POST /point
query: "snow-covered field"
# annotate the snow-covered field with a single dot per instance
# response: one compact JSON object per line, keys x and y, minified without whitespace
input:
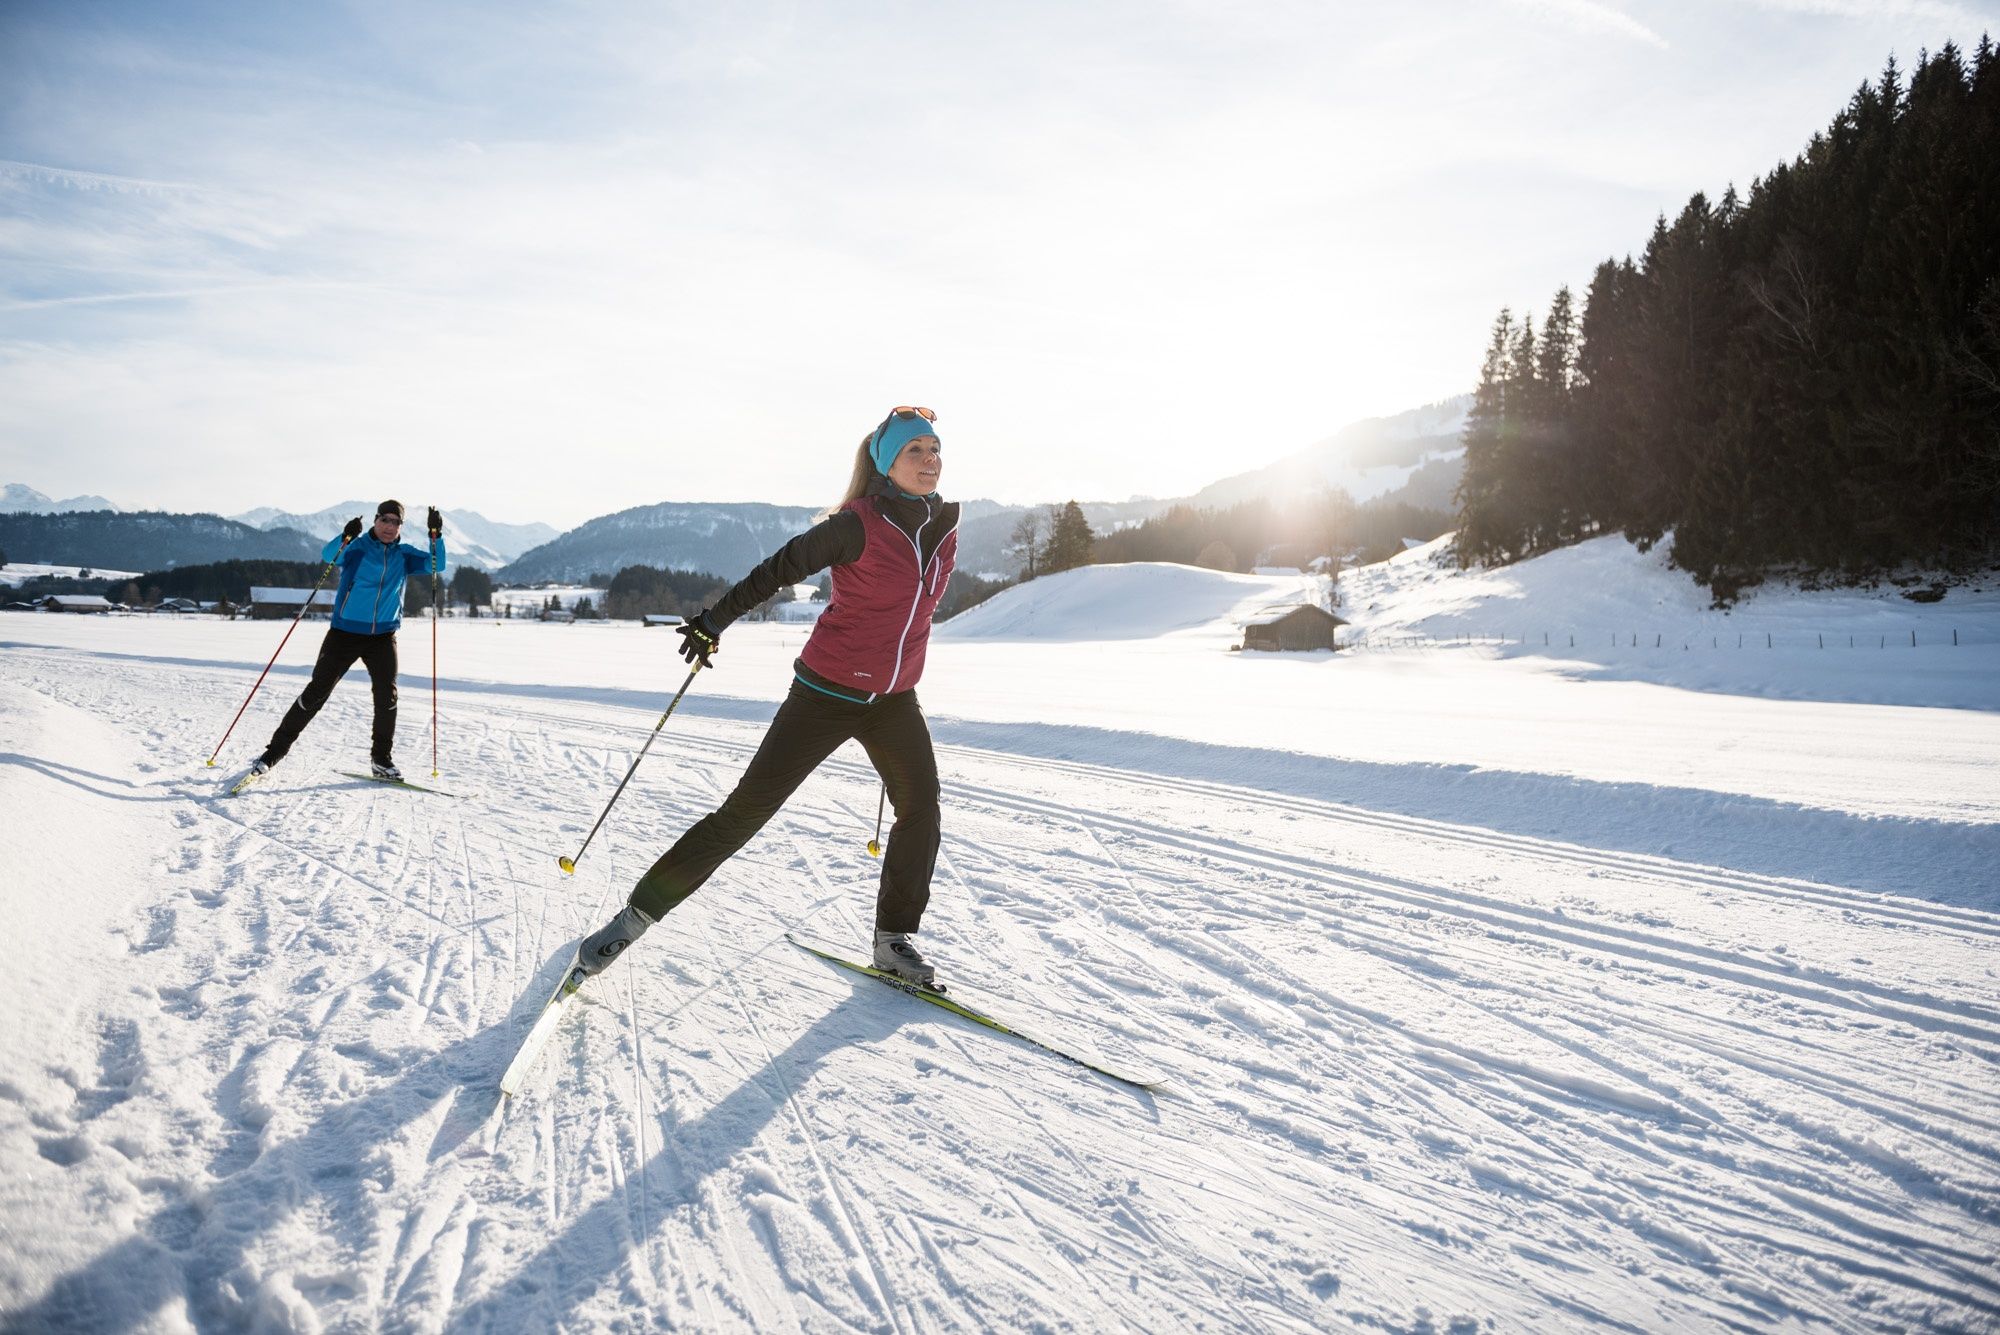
{"x":19,"y":572}
{"x":1502,"y":988}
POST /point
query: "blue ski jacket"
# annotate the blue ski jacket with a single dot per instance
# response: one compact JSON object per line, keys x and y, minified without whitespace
{"x":369,"y":600}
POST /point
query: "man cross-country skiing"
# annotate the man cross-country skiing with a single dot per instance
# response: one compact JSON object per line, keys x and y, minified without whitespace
{"x":891,"y":543}
{"x":367,"y":609}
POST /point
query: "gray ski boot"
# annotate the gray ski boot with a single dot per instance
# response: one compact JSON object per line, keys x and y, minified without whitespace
{"x":596,"y":951}
{"x":895,"y":953}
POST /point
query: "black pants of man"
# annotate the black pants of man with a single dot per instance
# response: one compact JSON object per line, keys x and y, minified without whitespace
{"x":336,"y":655}
{"x":808,"y":728}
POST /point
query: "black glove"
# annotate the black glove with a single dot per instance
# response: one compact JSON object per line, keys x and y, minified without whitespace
{"x":697,"y":640}
{"x":352,"y":531}
{"x":434,"y":522}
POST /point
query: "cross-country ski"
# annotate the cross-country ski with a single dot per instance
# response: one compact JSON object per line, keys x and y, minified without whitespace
{"x":396,"y":783}
{"x":981,"y":1013}
{"x":546,"y":1020}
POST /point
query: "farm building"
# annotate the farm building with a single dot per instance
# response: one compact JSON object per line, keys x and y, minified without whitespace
{"x":76,"y":602}
{"x":1297,"y":628}
{"x":267,"y":603}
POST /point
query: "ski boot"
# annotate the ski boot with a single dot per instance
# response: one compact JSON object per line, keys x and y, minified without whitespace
{"x":596,"y":951}
{"x":384,"y":771}
{"x":896,"y":954}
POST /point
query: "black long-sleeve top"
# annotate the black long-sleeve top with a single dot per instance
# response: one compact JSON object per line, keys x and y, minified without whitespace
{"x":837,"y":540}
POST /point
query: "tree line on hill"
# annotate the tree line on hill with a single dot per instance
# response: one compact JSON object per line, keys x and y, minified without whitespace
{"x":137,"y":540}
{"x":1806,"y":376}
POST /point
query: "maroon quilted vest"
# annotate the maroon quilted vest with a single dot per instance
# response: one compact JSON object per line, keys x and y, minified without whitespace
{"x":877,"y":624}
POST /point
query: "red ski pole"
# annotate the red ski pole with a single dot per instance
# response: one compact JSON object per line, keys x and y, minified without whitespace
{"x":434,"y":656}
{"x":279,"y":650}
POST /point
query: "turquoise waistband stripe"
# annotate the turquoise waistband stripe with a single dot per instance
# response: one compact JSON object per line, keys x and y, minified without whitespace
{"x":851,"y":699}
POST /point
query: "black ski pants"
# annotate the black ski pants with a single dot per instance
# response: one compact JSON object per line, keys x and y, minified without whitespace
{"x":809,"y":726}
{"x":337,"y":654}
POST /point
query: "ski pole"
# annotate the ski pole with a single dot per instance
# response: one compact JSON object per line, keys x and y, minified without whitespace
{"x":434,"y":656}
{"x":875,"y":844}
{"x":569,"y":864}
{"x":279,"y":650}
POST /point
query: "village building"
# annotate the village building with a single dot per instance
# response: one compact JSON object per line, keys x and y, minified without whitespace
{"x":76,"y":602}
{"x":268,"y":603}
{"x":1303,"y":627}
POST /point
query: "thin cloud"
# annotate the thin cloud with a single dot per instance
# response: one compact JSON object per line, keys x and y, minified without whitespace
{"x":176,"y":294}
{"x":1956,"y":17}
{"x":83,"y":180}
{"x":1593,"y":16}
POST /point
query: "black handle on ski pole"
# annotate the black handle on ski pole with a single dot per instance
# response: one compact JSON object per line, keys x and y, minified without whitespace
{"x":274,"y":653}
{"x":569,"y":864}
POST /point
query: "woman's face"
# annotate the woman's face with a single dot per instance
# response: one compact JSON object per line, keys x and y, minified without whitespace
{"x":388,"y":529}
{"x":917,"y":469}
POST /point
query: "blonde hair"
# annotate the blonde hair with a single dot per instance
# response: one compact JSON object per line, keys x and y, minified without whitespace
{"x":858,"y":483}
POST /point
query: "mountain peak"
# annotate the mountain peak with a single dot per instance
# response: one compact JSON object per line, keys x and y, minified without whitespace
{"x":18,"y":498}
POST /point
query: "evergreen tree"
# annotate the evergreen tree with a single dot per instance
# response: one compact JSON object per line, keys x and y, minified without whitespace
{"x":1805,"y":374}
{"x":473,"y":587}
{"x":1480,"y":528}
{"x":1070,"y":540}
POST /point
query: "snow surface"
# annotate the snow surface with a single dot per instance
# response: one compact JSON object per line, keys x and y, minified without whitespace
{"x":20,"y":572}
{"x":1502,"y":990}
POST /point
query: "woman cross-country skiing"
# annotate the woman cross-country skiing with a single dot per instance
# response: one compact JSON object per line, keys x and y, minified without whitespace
{"x":367,"y":609}
{"x":891,"y":543}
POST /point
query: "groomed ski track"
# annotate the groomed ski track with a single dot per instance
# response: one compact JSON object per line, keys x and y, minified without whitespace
{"x":1427,"y":1076}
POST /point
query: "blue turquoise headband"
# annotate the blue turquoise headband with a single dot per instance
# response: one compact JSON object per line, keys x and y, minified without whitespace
{"x":890,"y":438}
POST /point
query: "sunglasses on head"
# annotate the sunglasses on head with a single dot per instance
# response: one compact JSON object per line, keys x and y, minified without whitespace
{"x":906,"y":412}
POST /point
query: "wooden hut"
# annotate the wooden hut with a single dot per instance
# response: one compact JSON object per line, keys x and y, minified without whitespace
{"x":1296,"y":628}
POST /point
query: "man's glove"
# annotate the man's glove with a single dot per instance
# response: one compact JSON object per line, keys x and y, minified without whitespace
{"x":697,"y":640}
{"x":434,"y":522}
{"x":352,"y":531}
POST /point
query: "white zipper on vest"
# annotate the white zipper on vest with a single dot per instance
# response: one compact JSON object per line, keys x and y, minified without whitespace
{"x":918,"y":552}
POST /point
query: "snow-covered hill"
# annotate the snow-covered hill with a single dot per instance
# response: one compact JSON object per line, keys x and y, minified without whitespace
{"x":1499,"y":991}
{"x":1605,"y":610}
{"x":1141,"y":601}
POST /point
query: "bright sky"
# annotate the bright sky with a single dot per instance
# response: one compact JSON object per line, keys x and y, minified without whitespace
{"x":550,"y":260}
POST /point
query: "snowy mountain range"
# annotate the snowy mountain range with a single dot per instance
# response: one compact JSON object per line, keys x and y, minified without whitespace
{"x":720,"y":538}
{"x":1412,"y":457}
{"x":143,"y":540}
{"x":471,"y":537}
{"x":16,"y":498}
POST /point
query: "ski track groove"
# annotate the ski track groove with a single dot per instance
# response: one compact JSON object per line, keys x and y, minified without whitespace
{"x":1938,"y":916}
{"x":857,"y":1241}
